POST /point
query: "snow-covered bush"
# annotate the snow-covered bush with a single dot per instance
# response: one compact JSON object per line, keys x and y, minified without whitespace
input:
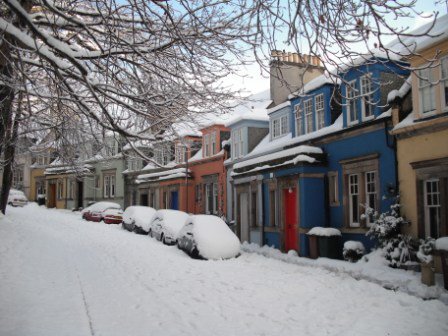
{"x":426,"y":250}
{"x":399,"y":249}
{"x":353,"y":250}
{"x":386,"y":225}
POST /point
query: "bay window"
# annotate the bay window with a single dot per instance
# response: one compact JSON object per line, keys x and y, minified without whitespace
{"x":320,"y":111}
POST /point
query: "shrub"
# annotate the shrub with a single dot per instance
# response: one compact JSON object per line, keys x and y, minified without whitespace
{"x":353,"y":251}
{"x":426,"y":249}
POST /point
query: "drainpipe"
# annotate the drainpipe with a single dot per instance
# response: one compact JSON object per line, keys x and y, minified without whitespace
{"x":393,"y":145}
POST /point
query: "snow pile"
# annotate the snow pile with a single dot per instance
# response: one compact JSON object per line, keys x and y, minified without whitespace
{"x":324,"y":232}
{"x":141,"y":216}
{"x":325,"y":78}
{"x":373,"y":268}
{"x":403,"y":91}
{"x":354,"y":245}
{"x":442,"y":244}
{"x":214,"y":238}
{"x":173,"y":221}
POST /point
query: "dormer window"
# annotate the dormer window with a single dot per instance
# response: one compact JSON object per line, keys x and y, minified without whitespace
{"x":299,"y":119}
{"x":320,"y":111}
{"x":180,"y":152}
{"x":279,"y":126}
{"x":308,"y":109}
{"x":213,"y":143}
{"x":367,"y":97}
{"x":426,"y":89}
{"x":352,"y":112}
{"x":161,"y":156}
{"x":207,"y":145}
{"x":237,"y":143}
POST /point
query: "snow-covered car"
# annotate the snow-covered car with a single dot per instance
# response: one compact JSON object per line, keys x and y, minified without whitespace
{"x":166,"y":225}
{"x":138,"y":218}
{"x":113,"y":216}
{"x":17,"y":198}
{"x":208,"y":237}
{"x":95,"y":212}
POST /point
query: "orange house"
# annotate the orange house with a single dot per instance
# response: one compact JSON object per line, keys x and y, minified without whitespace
{"x":197,"y":184}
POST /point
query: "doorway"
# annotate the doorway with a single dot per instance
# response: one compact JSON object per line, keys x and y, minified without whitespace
{"x":291,"y":218}
{"x":175,"y":200}
{"x":79,"y":196}
{"x":244,"y":217}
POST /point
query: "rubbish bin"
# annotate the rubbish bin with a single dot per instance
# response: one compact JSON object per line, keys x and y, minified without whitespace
{"x":313,"y":247}
{"x":325,"y":242}
{"x":330,"y":247}
{"x":41,"y":200}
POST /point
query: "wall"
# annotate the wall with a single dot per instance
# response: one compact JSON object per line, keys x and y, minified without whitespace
{"x":430,"y":145}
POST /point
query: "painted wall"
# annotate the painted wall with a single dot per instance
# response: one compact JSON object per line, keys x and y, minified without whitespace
{"x":431,"y":145}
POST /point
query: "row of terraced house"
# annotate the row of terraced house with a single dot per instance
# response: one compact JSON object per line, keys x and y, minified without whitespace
{"x":313,"y":156}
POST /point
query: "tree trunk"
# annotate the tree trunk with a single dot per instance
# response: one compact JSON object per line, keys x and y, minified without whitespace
{"x":6,"y":99}
{"x":9,"y":154}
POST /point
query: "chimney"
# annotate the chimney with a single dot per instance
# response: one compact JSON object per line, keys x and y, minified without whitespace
{"x":289,"y":72}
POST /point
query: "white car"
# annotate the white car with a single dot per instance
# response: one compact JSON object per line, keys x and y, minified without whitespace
{"x":17,"y":198}
{"x":138,"y":218}
{"x":166,"y":225}
{"x":208,"y":237}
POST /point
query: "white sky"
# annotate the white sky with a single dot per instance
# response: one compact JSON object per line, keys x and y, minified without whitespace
{"x":255,"y":79}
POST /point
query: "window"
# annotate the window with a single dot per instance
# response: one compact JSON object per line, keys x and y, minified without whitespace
{"x":426,"y":88}
{"x":237,"y":141}
{"x":367,"y":97}
{"x":207,"y":145}
{"x":371,"y":194}
{"x":299,"y":119}
{"x":198,"y":193}
{"x":444,"y":82}
{"x":215,"y":198}
{"x":333,"y":188}
{"x":180,"y":153}
{"x":60,"y":190}
{"x":72,"y":189}
{"x":213,"y":143}
{"x":320,"y":111}
{"x":109,"y":186}
{"x":361,"y":189}
{"x":353,"y":187}
{"x":432,"y":207}
{"x":17,"y":177}
{"x":308,"y":107}
{"x":352,"y":113}
{"x":208,"y":199}
{"x":162,"y":155}
{"x":280,"y":126}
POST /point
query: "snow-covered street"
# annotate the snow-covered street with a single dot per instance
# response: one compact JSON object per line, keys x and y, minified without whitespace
{"x":61,"y":275}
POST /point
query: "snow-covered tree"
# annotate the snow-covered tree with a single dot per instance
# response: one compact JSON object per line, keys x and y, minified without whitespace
{"x":133,"y":67}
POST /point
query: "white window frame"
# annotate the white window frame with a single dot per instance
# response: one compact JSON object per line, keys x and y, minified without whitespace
{"x":308,"y":111}
{"x":112,"y":186}
{"x":444,"y":83}
{"x":333,"y":188}
{"x":180,"y":151}
{"x":215,"y":198}
{"x":60,"y":187}
{"x":106,"y":186}
{"x":352,"y":102}
{"x":427,"y":88}
{"x":299,"y":119}
{"x":213,"y":143}
{"x":351,"y":204}
{"x":320,"y":111}
{"x":237,"y":142}
{"x":207,"y":145}
{"x":279,"y":126}
{"x":367,"y":97}
{"x":369,"y":184}
{"x":434,"y":196}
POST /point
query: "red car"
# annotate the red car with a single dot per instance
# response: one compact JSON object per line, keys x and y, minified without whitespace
{"x":113,"y":216}
{"x":95,"y":212}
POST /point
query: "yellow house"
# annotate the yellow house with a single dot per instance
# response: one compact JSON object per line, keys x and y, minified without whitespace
{"x":422,"y":139}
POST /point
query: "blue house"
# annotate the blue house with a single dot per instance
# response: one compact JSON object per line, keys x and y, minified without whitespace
{"x":327,"y":157}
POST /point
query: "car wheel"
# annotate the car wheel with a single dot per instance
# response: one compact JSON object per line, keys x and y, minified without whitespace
{"x":194,"y":253}
{"x":162,"y":238}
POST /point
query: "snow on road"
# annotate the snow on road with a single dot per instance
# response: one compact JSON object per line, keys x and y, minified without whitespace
{"x":60,"y":275}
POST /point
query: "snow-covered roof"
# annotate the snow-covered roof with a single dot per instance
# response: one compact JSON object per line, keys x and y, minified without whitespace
{"x":68,"y":169}
{"x":198,"y":156}
{"x":422,"y":37}
{"x":408,"y":121}
{"x":401,"y":92}
{"x":279,"y":107}
{"x":303,"y":149}
{"x":250,"y":108}
{"x":325,"y":78}
{"x":164,"y":175}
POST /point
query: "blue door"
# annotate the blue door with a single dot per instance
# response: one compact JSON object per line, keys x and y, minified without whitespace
{"x":175,"y":200}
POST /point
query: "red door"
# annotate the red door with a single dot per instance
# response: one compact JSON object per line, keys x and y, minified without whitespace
{"x":290,"y":210}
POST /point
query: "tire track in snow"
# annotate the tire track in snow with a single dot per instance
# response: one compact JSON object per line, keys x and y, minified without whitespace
{"x":86,"y":306}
